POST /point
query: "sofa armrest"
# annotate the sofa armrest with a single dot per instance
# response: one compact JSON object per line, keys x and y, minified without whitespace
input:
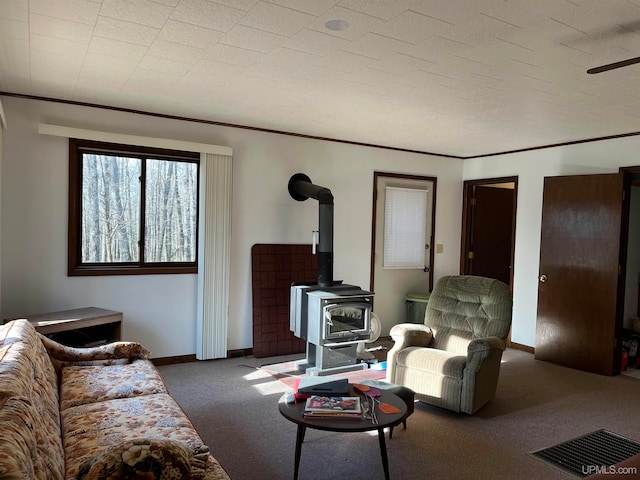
{"x":109,"y":354}
{"x":406,"y":335}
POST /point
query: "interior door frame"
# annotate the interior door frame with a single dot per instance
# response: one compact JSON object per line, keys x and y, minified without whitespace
{"x":402,"y":176}
{"x":465,"y":244}
{"x":624,"y":244}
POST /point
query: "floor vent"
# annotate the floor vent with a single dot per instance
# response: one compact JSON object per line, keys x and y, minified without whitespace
{"x":593,"y":453}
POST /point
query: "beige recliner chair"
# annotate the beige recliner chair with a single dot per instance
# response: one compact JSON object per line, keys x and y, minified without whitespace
{"x":453,"y":360}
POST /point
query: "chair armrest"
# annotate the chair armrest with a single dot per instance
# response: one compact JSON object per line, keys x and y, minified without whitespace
{"x":480,"y":349}
{"x":480,"y":375}
{"x":410,"y":335}
{"x":486,"y":344}
{"x":406,"y":335}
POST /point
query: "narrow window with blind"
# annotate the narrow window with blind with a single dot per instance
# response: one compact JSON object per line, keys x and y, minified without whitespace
{"x":405,"y":226}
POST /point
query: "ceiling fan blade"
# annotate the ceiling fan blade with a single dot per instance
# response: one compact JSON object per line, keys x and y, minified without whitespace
{"x":612,"y":66}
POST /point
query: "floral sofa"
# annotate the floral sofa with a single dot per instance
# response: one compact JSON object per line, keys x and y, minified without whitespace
{"x":89,"y":413}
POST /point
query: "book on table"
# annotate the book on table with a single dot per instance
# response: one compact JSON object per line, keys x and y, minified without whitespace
{"x":319,"y":406}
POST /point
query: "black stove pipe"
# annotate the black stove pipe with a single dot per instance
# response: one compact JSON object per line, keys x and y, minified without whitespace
{"x":301,"y":188}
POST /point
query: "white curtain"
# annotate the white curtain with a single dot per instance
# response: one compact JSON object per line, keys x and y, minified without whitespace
{"x":214,"y":248}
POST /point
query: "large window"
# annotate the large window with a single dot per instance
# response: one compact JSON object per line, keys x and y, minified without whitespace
{"x":132,"y":210}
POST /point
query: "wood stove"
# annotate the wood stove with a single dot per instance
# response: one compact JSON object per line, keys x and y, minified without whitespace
{"x":332,"y":320}
{"x":331,"y":316}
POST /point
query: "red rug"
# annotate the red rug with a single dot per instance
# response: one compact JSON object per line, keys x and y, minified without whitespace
{"x":288,"y":373}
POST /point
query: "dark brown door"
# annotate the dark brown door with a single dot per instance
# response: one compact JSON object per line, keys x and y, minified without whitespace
{"x":491,"y":232}
{"x":580,"y":265}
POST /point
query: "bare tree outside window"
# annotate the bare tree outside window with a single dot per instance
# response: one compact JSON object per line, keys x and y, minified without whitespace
{"x":110,"y":209}
{"x":132,"y":210}
{"x":172,"y":194}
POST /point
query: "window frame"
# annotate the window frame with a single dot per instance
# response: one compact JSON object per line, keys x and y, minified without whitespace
{"x":77,"y":147}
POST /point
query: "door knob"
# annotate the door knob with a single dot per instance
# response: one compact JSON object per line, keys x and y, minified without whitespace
{"x":543,"y":278}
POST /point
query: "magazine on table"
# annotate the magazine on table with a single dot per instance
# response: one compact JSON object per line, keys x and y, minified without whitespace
{"x":333,"y":407}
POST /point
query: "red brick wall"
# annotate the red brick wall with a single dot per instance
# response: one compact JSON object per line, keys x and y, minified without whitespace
{"x":274,"y":269}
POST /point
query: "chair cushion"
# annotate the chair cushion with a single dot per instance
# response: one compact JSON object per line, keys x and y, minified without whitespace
{"x":432,"y":360}
{"x":463,"y":308}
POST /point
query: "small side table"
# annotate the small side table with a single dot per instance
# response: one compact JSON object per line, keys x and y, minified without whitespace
{"x":80,"y":327}
{"x":294,"y":412}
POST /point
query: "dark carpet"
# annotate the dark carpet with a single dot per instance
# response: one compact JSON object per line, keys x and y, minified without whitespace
{"x":233,"y":403}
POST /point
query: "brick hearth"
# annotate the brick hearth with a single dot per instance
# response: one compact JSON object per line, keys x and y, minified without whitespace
{"x":274,"y":269}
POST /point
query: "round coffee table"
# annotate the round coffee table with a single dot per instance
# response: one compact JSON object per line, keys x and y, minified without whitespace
{"x":295,"y":413}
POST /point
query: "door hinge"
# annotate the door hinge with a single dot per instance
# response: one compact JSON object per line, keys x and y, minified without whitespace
{"x":473,"y":202}
{"x":470,"y":255}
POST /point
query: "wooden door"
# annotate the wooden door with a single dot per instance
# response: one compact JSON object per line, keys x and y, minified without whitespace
{"x":580,"y":272}
{"x":490,"y":242}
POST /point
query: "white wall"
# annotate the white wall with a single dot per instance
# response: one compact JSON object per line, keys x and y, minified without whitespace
{"x":160,"y":310}
{"x":531,"y":168}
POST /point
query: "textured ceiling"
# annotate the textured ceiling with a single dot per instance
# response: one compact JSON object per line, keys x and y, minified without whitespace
{"x":456,"y":77}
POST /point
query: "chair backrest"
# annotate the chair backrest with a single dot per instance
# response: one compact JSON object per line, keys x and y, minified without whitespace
{"x":464,"y":307}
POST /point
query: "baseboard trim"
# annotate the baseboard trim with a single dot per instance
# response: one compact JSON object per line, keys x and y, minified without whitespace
{"x":524,"y":348}
{"x":173,"y":360}
{"x":241,"y":352}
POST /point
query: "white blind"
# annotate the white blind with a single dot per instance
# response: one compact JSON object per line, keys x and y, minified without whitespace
{"x":405,"y":217}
